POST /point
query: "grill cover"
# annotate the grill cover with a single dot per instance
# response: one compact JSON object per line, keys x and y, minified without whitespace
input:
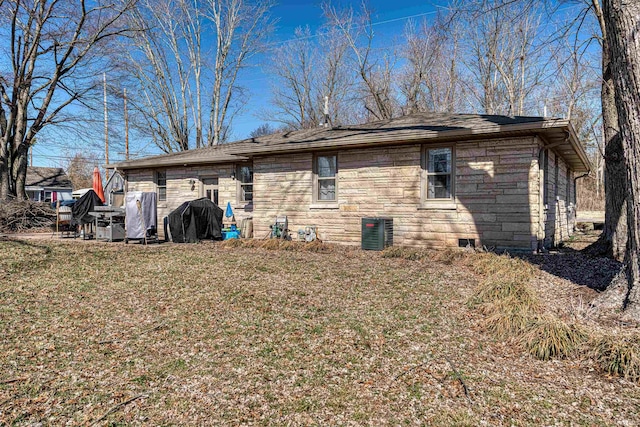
{"x":196,"y":220}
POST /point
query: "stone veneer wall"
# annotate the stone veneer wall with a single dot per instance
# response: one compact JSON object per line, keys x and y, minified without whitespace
{"x":559,"y":211}
{"x":496,"y":186}
{"x":179,"y":188}
{"x":498,"y":198}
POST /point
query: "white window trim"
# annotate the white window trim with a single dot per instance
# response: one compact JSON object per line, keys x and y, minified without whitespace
{"x":201,"y":185}
{"x":239,"y":202}
{"x":324,"y":204}
{"x":155,"y":181}
{"x":425,"y":202}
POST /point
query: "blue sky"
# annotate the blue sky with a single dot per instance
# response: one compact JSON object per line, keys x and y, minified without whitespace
{"x":389,"y":17}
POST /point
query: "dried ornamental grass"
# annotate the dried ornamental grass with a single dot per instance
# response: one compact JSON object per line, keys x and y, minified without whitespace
{"x":497,"y":288}
{"x":509,"y":317}
{"x":402,"y":252}
{"x":489,"y":264}
{"x":549,"y":337}
{"x":619,"y":355}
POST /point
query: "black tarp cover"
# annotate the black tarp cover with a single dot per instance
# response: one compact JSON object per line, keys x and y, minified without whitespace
{"x":81,"y":208}
{"x":196,"y":220}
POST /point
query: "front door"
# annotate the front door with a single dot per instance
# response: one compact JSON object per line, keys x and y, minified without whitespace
{"x":210,"y":189}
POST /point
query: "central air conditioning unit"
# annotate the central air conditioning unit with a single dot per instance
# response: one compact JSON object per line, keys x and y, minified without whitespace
{"x":377,"y":233}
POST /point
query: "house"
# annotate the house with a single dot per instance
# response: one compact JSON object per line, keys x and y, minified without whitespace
{"x":446,"y":180}
{"x":47,"y":184}
{"x":114,"y":190}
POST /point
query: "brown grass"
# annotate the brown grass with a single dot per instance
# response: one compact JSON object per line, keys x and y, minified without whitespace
{"x":549,"y":337}
{"x":232,"y":334}
{"x":619,"y":355}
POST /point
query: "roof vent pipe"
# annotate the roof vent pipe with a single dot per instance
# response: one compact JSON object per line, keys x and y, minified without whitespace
{"x":326,"y":111}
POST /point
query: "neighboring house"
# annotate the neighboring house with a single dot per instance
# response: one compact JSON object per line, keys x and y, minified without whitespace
{"x":114,"y":190}
{"x":445,"y":179}
{"x":47,"y":184}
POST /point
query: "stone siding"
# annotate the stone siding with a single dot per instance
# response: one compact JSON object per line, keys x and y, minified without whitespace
{"x":496,"y":188}
{"x":497,"y":185}
{"x":559,"y":203}
{"x":180,"y":188}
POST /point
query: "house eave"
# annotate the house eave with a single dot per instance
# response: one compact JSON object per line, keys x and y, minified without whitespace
{"x":380,"y":134}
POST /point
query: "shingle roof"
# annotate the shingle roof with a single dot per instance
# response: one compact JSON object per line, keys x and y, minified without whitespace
{"x":411,"y":129}
{"x":47,"y":177}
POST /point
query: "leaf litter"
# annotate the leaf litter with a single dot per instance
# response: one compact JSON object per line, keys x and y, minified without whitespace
{"x":211,"y":334}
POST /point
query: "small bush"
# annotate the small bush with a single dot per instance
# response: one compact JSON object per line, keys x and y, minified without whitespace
{"x":619,"y":356}
{"x":550,"y":337}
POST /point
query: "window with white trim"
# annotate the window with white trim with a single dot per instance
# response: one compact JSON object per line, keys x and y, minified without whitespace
{"x":161,"y":185}
{"x":438,"y":167}
{"x":326,"y":178}
{"x":245,"y":183}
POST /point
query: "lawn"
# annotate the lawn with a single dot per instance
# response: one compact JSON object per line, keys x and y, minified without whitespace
{"x":207,"y":334}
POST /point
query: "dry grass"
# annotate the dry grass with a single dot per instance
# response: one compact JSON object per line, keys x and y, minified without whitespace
{"x":619,"y":355}
{"x":230,"y":334}
{"x":549,"y":337}
{"x":508,"y":317}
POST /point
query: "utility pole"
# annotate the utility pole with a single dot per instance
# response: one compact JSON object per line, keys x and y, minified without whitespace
{"x":126,"y":127}
{"x":106,"y":125}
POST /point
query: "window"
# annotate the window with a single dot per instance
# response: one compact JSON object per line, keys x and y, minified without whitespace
{"x":245,"y":183}
{"x":210,"y":189}
{"x":325,"y":178}
{"x":161,"y":185}
{"x":439,"y":178}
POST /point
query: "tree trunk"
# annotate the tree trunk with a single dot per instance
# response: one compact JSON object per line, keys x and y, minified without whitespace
{"x":613,"y":241}
{"x":5,"y":176}
{"x":622,"y":19}
{"x":614,"y":235}
{"x":20,"y":171}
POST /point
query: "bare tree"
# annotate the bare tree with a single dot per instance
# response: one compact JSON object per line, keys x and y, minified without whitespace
{"x":51,"y":54}
{"x":506,"y":59}
{"x":240,"y":26}
{"x":293,"y":94}
{"x":162,"y":72}
{"x":613,"y":241}
{"x":307,"y":70}
{"x":262,"y":130}
{"x":169,"y":65}
{"x":79,"y":169}
{"x":374,"y":70}
{"x":429,"y":80}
